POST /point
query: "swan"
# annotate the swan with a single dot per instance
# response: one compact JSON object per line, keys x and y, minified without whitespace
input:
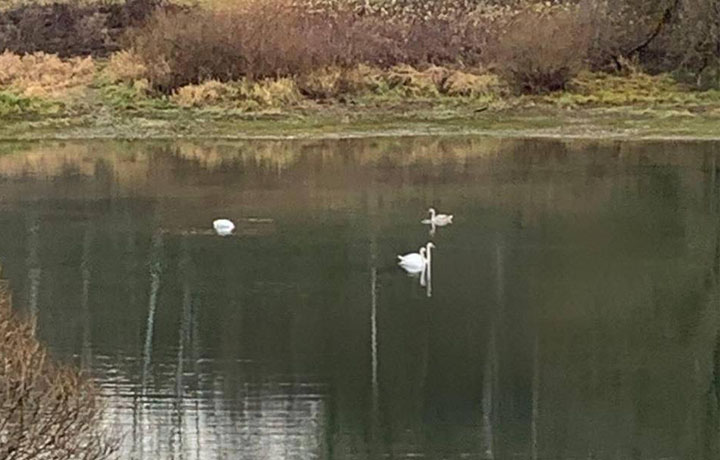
{"x":417,"y":261}
{"x":223,"y":227}
{"x":437,"y":219}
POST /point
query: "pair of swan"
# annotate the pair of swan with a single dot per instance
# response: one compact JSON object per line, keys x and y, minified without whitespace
{"x":416,"y":262}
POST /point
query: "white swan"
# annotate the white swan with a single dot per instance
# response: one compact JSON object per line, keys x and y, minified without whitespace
{"x":439,"y":220}
{"x":417,"y":261}
{"x":223,"y":227}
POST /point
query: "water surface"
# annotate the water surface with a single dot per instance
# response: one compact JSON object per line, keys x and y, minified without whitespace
{"x":573,"y":311}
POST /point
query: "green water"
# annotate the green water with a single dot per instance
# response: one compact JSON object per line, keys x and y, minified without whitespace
{"x":572,"y":310}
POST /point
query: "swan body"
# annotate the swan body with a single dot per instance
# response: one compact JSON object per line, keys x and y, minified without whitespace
{"x":223,"y":227}
{"x":438,"y":219}
{"x":413,"y":262}
{"x":417,"y":261}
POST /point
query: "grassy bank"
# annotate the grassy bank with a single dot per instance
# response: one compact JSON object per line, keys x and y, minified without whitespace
{"x":42,"y":96}
{"x":616,"y":122}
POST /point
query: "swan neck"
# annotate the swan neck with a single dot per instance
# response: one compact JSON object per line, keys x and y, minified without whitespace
{"x":432,"y":213}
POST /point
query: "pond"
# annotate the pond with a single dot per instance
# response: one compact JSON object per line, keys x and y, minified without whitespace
{"x":572,"y":309}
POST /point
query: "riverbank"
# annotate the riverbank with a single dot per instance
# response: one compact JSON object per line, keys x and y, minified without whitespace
{"x":44,"y":97}
{"x":622,"y":122}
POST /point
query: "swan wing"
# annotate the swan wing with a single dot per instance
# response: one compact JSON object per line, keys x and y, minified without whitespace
{"x":412,"y":260}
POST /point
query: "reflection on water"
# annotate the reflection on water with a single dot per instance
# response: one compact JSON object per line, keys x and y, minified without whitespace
{"x":571,"y":310}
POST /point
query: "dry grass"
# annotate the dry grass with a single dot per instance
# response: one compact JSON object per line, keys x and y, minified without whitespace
{"x":210,"y":92}
{"x":242,"y":94}
{"x":473,"y":85}
{"x":44,"y":75}
{"x":47,"y":411}
{"x":125,"y":66}
{"x":604,"y":89}
{"x":337,"y":82}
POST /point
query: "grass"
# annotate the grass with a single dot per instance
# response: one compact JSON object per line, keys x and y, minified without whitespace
{"x":112,"y":99}
{"x":401,"y":119}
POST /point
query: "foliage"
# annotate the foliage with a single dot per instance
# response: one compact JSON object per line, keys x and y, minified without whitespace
{"x":542,"y":52}
{"x":280,"y":38}
{"x":44,"y":75}
{"x":125,"y":66}
{"x":47,"y":411}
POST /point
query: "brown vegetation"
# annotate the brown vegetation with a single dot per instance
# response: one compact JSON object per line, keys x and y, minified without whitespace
{"x":540,"y":52}
{"x":42,"y":74}
{"x":536,"y":47}
{"x":47,"y":411}
{"x":279,"y":38}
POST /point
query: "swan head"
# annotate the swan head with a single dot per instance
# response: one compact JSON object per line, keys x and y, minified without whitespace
{"x":431,"y":210}
{"x":422,"y":252}
{"x":430,"y":245}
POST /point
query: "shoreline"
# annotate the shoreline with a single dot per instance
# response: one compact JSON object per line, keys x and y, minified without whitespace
{"x":603,"y":123}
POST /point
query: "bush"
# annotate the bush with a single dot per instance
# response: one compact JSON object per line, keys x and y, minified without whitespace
{"x":42,"y":74}
{"x":280,"y":38}
{"x":125,"y":66}
{"x":542,"y":52}
{"x":256,"y":40}
{"x":47,"y":411}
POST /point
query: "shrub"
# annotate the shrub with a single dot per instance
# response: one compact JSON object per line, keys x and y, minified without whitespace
{"x":279,"y":38}
{"x":256,"y":39}
{"x":541,"y":52}
{"x":47,"y":411}
{"x":125,"y":66}
{"x":42,"y":74}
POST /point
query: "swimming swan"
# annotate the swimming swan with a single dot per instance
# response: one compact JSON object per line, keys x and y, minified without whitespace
{"x":223,"y":227}
{"x":437,"y":219}
{"x":417,"y":261}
